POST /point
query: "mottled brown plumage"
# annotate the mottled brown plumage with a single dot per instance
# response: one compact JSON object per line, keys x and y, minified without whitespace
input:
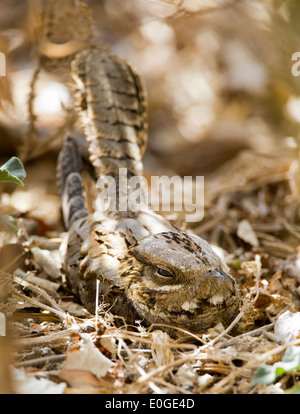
{"x":148,"y":269}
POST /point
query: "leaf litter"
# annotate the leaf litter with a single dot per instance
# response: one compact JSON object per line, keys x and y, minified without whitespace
{"x":251,"y":215}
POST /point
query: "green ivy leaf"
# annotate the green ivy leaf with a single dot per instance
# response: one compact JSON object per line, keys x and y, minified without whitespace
{"x":12,"y":170}
{"x":266,"y":374}
{"x":236,"y":263}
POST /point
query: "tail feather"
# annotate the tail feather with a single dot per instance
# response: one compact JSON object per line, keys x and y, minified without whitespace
{"x":70,"y":183}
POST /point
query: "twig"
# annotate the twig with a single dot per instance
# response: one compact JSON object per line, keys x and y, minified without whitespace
{"x":254,"y":333}
{"x":184,"y":331}
{"x":42,"y":283}
{"x":136,"y":337}
{"x":54,"y":337}
{"x":97,"y":302}
{"x":62,"y":315}
{"x":39,"y":291}
{"x":41,"y":360}
{"x":290,"y":228}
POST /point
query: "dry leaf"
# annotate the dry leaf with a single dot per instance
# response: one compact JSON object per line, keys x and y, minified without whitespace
{"x":246,"y":233}
{"x":287,"y":327}
{"x":161,"y":352}
{"x":30,"y":384}
{"x":38,"y":281}
{"x":88,"y":358}
{"x":186,"y":376}
{"x":47,"y":260}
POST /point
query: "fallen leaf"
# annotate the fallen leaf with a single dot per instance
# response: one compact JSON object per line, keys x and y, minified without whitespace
{"x":88,"y":358}
{"x":287,"y":327}
{"x":13,"y":170}
{"x":47,"y":260}
{"x":246,"y":233}
{"x":29,"y":384}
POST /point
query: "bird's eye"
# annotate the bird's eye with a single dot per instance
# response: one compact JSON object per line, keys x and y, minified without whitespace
{"x":164,"y":272}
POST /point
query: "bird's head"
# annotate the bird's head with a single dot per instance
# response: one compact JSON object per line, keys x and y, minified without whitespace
{"x":176,"y":278}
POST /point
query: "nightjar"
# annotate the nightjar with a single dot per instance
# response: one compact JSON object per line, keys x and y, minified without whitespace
{"x":147,"y":269}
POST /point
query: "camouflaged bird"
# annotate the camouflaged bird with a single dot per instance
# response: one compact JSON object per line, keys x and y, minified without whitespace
{"x":147,"y":269}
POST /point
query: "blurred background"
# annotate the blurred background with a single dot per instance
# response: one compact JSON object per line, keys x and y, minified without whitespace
{"x":214,"y":70}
